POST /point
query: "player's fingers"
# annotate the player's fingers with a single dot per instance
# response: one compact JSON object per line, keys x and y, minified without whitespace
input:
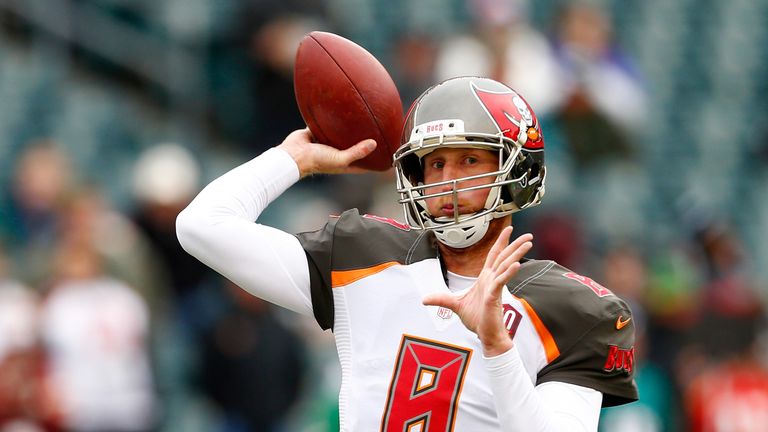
{"x":513,"y":260}
{"x":507,"y":265}
{"x":358,"y":151}
{"x":329,"y":160}
{"x":510,"y":249}
{"x":498,"y":246}
{"x":441,"y":299}
{"x":504,"y":277}
{"x":521,"y":250}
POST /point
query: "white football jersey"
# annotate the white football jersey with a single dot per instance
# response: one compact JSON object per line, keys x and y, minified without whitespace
{"x":410,"y":367}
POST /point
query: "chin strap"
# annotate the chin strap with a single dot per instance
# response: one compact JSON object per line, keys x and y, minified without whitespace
{"x":464,"y":234}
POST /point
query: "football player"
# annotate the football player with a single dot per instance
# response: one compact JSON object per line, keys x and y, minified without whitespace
{"x":440,"y":323}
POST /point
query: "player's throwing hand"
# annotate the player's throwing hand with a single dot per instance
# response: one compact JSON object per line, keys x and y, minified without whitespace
{"x":317,"y":158}
{"x":480,"y":307}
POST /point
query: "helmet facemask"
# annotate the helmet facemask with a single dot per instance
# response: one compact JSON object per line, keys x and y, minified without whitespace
{"x":460,"y":230}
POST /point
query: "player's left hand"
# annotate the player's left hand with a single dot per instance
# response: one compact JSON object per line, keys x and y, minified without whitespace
{"x":480,"y":306}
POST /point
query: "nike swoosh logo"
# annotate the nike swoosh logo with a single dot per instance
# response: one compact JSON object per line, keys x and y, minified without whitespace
{"x":621,"y":323}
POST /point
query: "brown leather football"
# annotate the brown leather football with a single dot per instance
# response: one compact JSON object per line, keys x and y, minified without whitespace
{"x":345,"y":96}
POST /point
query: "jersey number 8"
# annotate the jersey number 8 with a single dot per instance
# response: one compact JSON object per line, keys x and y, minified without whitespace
{"x":425,"y":387}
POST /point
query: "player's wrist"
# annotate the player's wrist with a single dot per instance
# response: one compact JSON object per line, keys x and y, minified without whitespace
{"x":299,"y":157}
{"x":497,"y":345}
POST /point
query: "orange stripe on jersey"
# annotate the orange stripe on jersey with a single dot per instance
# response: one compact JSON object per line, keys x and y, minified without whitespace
{"x":346,"y":277}
{"x":550,"y":347}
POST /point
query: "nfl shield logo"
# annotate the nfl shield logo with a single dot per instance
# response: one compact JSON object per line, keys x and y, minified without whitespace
{"x":444,"y":313}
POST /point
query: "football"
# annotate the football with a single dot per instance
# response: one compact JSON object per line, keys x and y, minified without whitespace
{"x":345,"y":96}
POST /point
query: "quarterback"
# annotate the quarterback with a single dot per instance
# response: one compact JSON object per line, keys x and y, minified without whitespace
{"x":440,"y":322}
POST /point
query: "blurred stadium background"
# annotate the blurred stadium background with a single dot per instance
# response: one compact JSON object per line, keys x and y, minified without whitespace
{"x":114,"y":113}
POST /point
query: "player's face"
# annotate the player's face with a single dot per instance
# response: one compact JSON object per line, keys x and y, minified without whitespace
{"x":454,"y":163}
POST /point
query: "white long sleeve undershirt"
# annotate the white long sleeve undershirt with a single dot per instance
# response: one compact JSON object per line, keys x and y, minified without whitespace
{"x":218,"y":228}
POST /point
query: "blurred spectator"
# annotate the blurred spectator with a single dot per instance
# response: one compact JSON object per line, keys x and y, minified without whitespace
{"x":252,"y":365}
{"x":94,"y":328}
{"x":40,"y":185}
{"x":253,"y":70}
{"x":24,"y":403}
{"x":165,"y":179}
{"x":86,"y":218}
{"x":728,"y":290}
{"x":732,"y":396}
{"x":706,"y":319}
{"x":673,"y":290}
{"x":502,"y":45}
{"x":625,"y":272}
{"x":18,"y":314}
{"x":415,"y":54}
{"x":273,"y":50}
{"x":729,"y":301}
{"x":559,"y":237}
{"x":672,"y":301}
{"x":604,"y":100}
